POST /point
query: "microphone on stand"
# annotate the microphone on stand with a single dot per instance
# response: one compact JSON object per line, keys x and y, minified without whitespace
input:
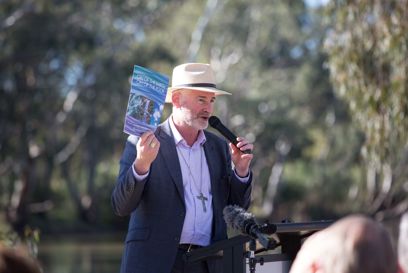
{"x":217,"y":124}
{"x":237,"y":218}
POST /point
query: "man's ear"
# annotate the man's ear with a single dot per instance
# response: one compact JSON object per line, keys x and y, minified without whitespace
{"x":175,"y":99}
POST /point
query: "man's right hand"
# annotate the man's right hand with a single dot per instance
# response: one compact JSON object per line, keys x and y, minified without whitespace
{"x":147,"y":148}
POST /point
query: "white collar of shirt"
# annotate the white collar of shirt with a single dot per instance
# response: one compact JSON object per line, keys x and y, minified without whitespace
{"x":201,"y":139}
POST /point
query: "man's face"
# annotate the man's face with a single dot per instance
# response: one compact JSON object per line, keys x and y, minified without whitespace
{"x":196,"y":108}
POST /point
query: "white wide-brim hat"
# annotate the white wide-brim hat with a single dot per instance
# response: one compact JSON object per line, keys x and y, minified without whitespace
{"x":194,"y":76}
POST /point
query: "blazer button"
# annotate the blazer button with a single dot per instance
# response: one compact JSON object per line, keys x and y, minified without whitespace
{"x":176,"y":239}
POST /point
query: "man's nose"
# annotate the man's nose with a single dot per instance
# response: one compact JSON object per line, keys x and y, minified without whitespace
{"x":209,"y":108}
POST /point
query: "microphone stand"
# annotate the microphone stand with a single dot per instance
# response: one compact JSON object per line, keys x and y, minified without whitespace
{"x":251,"y":254}
{"x":252,"y":260}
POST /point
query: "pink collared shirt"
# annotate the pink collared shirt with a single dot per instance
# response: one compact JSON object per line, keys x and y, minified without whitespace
{"x":196,"y":179}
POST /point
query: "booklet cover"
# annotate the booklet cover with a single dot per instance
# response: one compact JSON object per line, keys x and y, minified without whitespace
{"x":146,"y":100}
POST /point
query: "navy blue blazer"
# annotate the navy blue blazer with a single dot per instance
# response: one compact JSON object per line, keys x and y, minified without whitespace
{"x":156,"y":205}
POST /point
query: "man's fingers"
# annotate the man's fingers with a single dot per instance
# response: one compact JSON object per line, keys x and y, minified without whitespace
{"x":243,"y":146}
{"x":146,"y":137}
{"x":153,"y":143}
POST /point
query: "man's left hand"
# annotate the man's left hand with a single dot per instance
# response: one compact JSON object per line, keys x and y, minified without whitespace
{"x":241,"y":160}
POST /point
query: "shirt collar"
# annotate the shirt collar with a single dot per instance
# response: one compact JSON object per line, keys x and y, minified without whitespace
{"x":178,"y":137}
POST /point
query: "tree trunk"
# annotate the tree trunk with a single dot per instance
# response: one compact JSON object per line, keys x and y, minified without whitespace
{"x":73,"y":191}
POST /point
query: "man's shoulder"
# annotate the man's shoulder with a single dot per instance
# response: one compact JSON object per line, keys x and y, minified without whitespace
{"x":164,"y":127}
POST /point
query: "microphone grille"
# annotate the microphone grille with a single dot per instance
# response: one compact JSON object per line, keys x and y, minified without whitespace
{"x":234,"y":216}
{"x":214,"y":121}
{"x":229,"y":215}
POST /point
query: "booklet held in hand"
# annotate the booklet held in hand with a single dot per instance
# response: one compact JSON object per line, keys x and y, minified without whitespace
{"x":146,"y":101}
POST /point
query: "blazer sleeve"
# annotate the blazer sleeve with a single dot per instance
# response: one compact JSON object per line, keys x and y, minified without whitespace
{"x":240,"y":192}
{"x":127,"y":192}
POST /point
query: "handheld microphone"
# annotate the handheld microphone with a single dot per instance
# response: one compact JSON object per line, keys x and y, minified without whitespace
{"x":237,"y":218}
{"x":216,"y":124}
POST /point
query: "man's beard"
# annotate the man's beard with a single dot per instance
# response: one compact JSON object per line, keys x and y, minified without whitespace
{"x":195,"y":121}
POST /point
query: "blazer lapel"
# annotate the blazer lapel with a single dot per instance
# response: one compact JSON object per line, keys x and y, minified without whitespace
{"x":169,"y":153}
{"x":212,"y":165}
{"x":216,"y":186}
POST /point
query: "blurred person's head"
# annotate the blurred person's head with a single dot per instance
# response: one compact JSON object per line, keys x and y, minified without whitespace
{"x":17,"y":260}
{"x":354,"y":244}
{"x":403,"y":243}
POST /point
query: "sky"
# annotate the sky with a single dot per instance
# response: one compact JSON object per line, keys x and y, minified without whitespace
{"x":316,"y":3}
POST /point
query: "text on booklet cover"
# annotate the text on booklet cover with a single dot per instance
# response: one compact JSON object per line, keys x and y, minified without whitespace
{"x":146,"y":101}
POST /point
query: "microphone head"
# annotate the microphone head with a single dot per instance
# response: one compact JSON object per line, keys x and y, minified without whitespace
{"x":228,"y":215}
{"x":214,"y":121}
{"x":237,"y":218}
{"x":231,"y":215}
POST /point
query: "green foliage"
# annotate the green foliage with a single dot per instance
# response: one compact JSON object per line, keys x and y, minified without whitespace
{"x":29,"y":240}
{"x":283,"y":100}
{"x":367,"y":49}
{"x":64,"y":86}
{"x":367,"y":58}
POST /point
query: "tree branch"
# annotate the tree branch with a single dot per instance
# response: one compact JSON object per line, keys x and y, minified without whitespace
{"x":72,"y":145}
{"x":197,"y":34}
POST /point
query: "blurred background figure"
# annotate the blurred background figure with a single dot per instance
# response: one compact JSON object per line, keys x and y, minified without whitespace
{"x":403,"y":244}
{"x":17,"y":260}
{"x":354,"y":244}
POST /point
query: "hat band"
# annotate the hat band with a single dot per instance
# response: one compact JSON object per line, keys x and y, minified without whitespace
{"x":197,"y":85}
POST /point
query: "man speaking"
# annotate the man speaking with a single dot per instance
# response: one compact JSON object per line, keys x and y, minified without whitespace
{"x":175,"y":182}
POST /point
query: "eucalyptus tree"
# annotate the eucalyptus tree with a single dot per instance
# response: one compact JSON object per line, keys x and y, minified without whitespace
{"x":64,"y":69}
{"x":368,"y":58}
{"x":267,"y":53}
